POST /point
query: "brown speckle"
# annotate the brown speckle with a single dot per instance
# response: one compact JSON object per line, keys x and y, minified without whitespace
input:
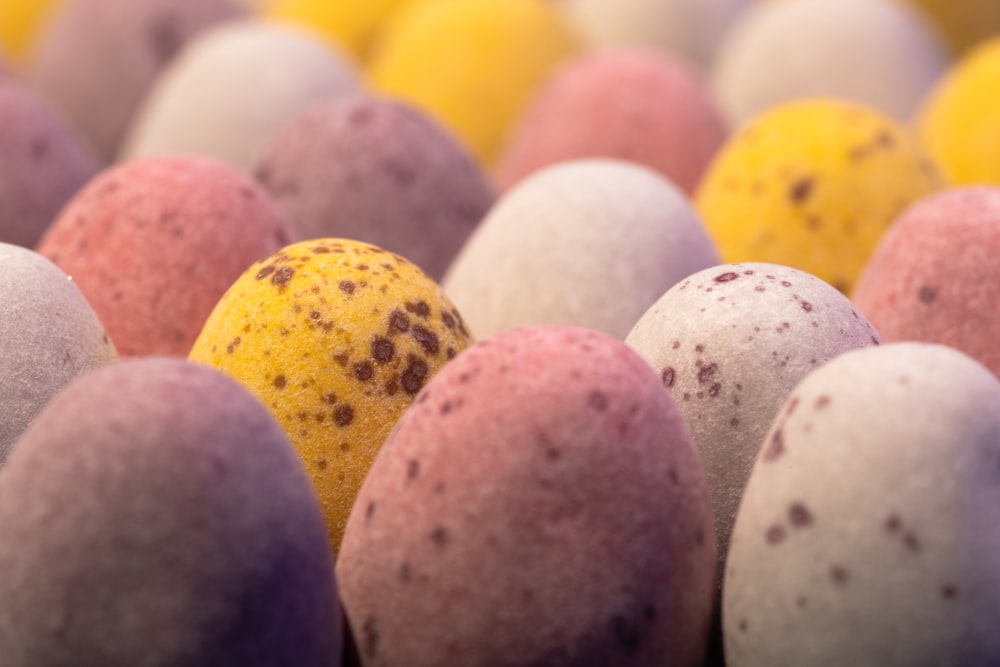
{"x":341,"y":358}
{"x":364,"y":371}
{"x":440,"y":537}
{"x":280,"y":382}
{"x":420,"y":308}
{"x":597,"y":400}
{"x":949,"y":592}
{"x":799,"y":515}
{"x":231,"y":348}
{"x":414,"y":375}
{"x":281,"y":277}
{"x":706,"y":373}
{"x":801,"y":190}
{"x":806,"y":306}
{"x":265,"y":272}
{"x":330,"y":398}
{"x":412,"y":469}
{"x":714,"y":390}
{"x":822,"y":402}
{"x":726,"y":277}
{"x":668,"y":376}
{"x":911,"y":541}
{"x":699,"y":348}
{"x":743,"y":625}
{"x":369,"y":637}
{"x":839,"y":575}
{"x":399,"y":322}
{"x":405,"y":574}
{"x":927,"y":294}
{"x":775,"y":534}
{"x":428,"y":339}
{"x":734,"y":422}
{"x":448,"y":320}
{"x":343,"y":415}
{"x":382,"y":350}
{"x":321,"y":464}
{"x":775,"y":447}
{"x":347,"y":287}
{"x":370,"y":510}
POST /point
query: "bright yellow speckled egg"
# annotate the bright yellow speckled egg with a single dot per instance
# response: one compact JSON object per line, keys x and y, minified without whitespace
{"x":959,"y":124}
{"x":472,"y":64}
{"x":20,"y":21}
{"x":812,"y":185}
{"x":335,"y":337}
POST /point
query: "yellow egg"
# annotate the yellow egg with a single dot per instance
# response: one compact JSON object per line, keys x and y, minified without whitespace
{"x":335,"y":337}
{"x":964,"y":23}
{"x":472,"y":64}
{"x":20,"y":21}
{"x":959,"y":124}
{"x":812,"y":185}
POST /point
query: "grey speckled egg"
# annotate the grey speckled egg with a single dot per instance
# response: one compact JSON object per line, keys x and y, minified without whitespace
{"x":50,"y":336}
{"x":730,"y":343}
{"x":868,"y":534}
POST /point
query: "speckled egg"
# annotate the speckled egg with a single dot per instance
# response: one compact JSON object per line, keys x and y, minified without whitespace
{"x":95,"y":60}
{"x":958,"y":122}
{"x":378,"y":171}
{"x":42,"y":164}
{"x":153,"y":244}
{"x":156,"y":515}
{"x":472,"y":64}
{"x":591,"y":242}
{"x":335,"y":337}
{"x":880,"y":53}
{"x":540,"y":504}
{"x":812,"y":185}
{"x":868,"y":532}
{"x":233,"y":88}
{"x":50,"y":336}
{"x":730,"y":342}
{"x":934,"y":277}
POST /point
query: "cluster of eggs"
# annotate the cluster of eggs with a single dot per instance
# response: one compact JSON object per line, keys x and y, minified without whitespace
{"x":499,"y":332}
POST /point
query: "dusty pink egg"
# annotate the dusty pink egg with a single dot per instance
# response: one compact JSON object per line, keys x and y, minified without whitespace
{"x":934,"y":277}
{"x":635,"y":105}
{"x":154,"y":244}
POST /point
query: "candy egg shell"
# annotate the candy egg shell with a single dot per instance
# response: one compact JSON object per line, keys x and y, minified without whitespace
{"x":156,"y":497}
{"x":590,"y":242}
{"x":540,"y":503}
{"x":813,"y":185}
{"x":868,"y":533}
{"x":377,"y":171}
{"x":335,"y":337}
{"x":95,"y":60}
{"x":231,"y":89}
{"x":730,"y":342}
{"x":51,"y":335}
{"x":155,"y":243}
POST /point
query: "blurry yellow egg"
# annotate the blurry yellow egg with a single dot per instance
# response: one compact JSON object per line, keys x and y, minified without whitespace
{"x":335,"y":337}
{"x":352,"y":24}
{"x":964,"y":23}
{"x":812,"y":185}
{"x":20,"y":21}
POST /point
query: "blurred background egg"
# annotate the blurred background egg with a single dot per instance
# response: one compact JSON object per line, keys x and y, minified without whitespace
{"x":153,"y":244}
{"x":19,"y":25}
{"x":335,"y":337}
{"x":50,"y":336}
{"x":868,"y":533}
{"x":590,"y":242}
{"x":632,"y":104}
{"x":158,"y":498}
{"x":540,"y":504}
{"x":229,"y":91}
{"x":42,"y":164}
{"x":95,"y":60}
{"x":812,"y":184}
{"x":963,"y":23}
{"x":934,"y":276}
{"x":379,"y":171}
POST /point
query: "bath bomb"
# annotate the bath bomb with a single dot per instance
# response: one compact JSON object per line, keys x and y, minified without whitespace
{"x":868,"y":533}
{"x":157,"y":498}
{"x":51,"y":335}
{"x":880,"y":53}
{"x":589,"y":242}
{"x":958,"y":125}
{"x":730,"y":343}
{"x":813,"y":185}
{"x":691,"y":29}
{"x":335,"y":337}
{"x":42,"y":164}
{"x":378,"y":171}
{"x":229,"y":91}
{"x":631,"y":104}
{"x":154,"y":244}
{"x":20,"y":25}
{"x":934,"y":276}
{"x":964,"y":23}
{"x":96,"y":59}
{"x":472,"y":64}
{"x":540,"y":504}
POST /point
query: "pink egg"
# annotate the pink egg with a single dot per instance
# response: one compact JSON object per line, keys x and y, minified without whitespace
{"x":934,"y":277}
{"x":154,"y":244}
{"x":640,"y":106}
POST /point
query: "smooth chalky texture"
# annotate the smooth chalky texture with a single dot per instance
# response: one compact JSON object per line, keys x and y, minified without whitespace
{"x":868,"y":532}
{"x":540,"y":504}
{"x":730,"y":343}
{"x":964,"y":23}
{"x":155,"y":515}
{"x":154,"y":244}
{"x":42,"y":164}
{"x":96,"y":60}
{"x":958,"y":122}
{"x":232,"y":89}
{"x":50,"y":336}
{"x":813,"y":185}
{"x":592,"y":243}
{"x":472,"y":64}
{"x":634,"y":105}
{"x":335,"y":337}
{"x":377,"y":171}
{"x":880,"y":53}
{"x":934,"y":276}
